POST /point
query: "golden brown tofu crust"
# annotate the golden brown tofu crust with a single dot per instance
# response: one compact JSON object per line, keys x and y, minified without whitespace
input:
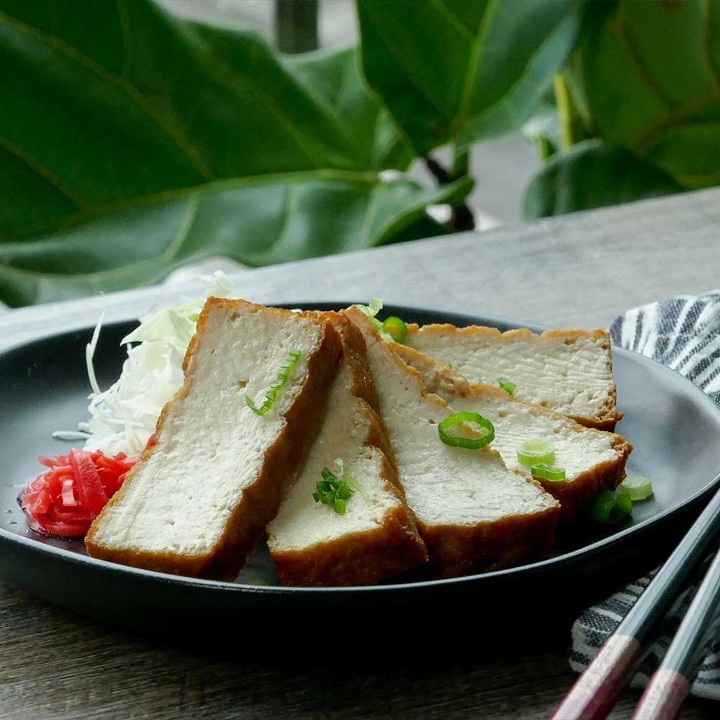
{"x":259,"y":502}
{"x":362,"y":558}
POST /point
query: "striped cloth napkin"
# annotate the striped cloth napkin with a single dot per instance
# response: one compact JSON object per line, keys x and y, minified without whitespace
{"x":683,"y":333}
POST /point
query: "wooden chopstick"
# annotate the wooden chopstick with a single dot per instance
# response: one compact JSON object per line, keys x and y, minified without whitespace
{"x":596,"y":690}
{"x":671,"y":682}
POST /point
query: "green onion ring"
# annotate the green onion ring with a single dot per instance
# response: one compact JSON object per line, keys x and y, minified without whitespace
{"x":611,"y":508}
{"x":535,"y":451}
{"x":487,"y":430}
{"x":396,"y":328}
{"x":638,"y":487}
{"x":552,"y":473}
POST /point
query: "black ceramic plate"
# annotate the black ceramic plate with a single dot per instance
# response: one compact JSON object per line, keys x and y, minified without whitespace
{"x":673,"y":426}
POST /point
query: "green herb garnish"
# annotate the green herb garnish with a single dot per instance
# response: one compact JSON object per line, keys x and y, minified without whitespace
{"x":534,"y":451}
{"x":280,"y":381}
{"x":507,"y":385}
{"x":396,"y":328}
{"x":553,"y":473}
{"x":334,"y":489}
{"x":611,"y":508}
{"x":638,"y":487}
{"x":392,"y":330}
{"x":480,"y":431}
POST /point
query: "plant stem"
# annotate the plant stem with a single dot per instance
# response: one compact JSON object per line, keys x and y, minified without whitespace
{"x":562,"y":98}
{"x":296,"y":25}
{"x":461,"y":163}
{"x":439,"y":172}
{"x":575,"y":125}
{"x":462,"y":217}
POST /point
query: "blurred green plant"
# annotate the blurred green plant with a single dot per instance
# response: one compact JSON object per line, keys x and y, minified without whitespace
{"x":133,"y":142}
{"x":637,"y":107}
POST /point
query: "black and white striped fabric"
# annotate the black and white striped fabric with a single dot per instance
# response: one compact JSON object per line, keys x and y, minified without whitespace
{"x":683,"y":333}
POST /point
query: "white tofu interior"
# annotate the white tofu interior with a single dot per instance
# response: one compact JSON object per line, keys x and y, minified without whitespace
{"x":212,"y":443}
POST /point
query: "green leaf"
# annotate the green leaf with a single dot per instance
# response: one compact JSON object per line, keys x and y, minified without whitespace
{"x":335,"y":79}
{"x":459,"y":71}
{"x":543,"y":126}
{"x":256,"y":221}
{"x":132,"y":142}
{"x":115,"y":101}
{"x":647,"y":75}
{"x":118,"y":101}
{"x":591,"y":175}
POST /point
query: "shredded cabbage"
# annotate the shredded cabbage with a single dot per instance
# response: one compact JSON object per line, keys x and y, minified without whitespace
{"x":123,"y":417}
{"x":371,"y":310}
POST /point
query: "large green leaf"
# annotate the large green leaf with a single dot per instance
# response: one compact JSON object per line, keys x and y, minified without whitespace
{"x":116,"y":101}
{"x":647,"y":75}
{"x":335,"y":78}
{"x":459,"y":71}
{"x":591,"y":175}
{"x":256,"y":221}
{"x":132,"y":142}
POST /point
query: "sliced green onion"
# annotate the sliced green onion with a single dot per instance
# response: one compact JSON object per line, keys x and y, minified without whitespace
{"x":280,"y":381}
{"x":638,"y":487}
{"x":480,"y":437}
{"x":334,"y":489}
{"x":553,"y":473}
{"x":534,"y":451}
{"x":396,"y":328}
{"x":611,"y":508}
{"x":507,"y":385}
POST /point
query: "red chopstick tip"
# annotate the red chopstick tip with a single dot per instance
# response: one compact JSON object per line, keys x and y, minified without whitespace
{"x":663,"y":696}
{"x":597,"y":688}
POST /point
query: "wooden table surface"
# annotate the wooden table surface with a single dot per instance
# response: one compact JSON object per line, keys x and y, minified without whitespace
{"x":580,"y":270}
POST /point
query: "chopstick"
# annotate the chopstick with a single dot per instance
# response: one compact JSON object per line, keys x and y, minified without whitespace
{"x":596,"y":690}
{"x":672,"y":681}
